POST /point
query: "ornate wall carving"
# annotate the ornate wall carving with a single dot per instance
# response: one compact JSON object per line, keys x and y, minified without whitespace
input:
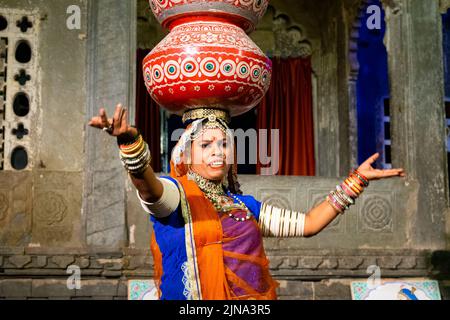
{"x":444,"y":6}
{"x":56,"y":221}
{"x":290,"y":38}
{"x":51,"y":208}
{"x":377,"y":214}
{"x":377,"y":219}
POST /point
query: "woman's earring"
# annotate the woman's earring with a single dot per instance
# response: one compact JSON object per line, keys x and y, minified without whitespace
{"x":190,"y":173}
{"x":225,"y":181}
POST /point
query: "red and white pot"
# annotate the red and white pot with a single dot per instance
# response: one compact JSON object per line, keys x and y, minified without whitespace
{"x":207,"y":59}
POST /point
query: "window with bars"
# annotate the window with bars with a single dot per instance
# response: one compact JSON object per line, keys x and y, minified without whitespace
{"x":387,"y":162}
{"x":18,"y":91}
{"x":373,"y":114}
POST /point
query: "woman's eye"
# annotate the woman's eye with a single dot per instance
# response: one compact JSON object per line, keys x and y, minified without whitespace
{"x":204,"y":145}
{"x":224,"y":144}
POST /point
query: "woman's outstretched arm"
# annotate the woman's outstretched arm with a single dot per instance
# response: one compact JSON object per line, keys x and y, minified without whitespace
{"x":322,"y":215}
{"x":146,"y":182}
{"x":276,"y":222}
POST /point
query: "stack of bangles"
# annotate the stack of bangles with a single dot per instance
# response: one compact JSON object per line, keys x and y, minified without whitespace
{"x":346,"y":193}
{"x":135,"y":156}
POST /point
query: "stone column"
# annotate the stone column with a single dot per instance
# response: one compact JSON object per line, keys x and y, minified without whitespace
{"x":348,"y":131}
{"x":111,"y":74}
{"x":414,"y":43}
{"x":328,"y":113}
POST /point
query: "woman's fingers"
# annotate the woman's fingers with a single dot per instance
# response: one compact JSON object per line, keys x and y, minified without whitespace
{"x":117,"y":112}
{"x":100,"y":120}
{"x":104,"y":118}
{"x":401,"y":172}
{"x":119,"y":121}
{"x":372,"y":159}
{"x":93,"y":122}
{"x":118,"y":116}
{"x":124,"y":121}
{"x":390,"y":173}
{"x":96,"y":122}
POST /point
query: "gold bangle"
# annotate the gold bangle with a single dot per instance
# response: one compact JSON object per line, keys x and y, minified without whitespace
{"x":360,"y":183}
{"x":350,"y":185}
{"x":133,"y":148}
{"x":357,"y":185}
{"x":135,"y":154}
{"x":126,"y":148}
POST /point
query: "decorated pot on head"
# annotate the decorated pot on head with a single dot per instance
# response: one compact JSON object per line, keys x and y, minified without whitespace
{"x":207,"y":60}
{"x":244,"y":13}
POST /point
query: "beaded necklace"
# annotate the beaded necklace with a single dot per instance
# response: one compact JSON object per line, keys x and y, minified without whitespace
{"x":222,"y":201}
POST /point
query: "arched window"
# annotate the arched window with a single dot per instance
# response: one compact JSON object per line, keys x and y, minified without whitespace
{"x":372,"y":90}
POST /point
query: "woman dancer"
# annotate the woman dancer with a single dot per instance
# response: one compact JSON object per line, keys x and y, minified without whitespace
{"x":207,"y":240}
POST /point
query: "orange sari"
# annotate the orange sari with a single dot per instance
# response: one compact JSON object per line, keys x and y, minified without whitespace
{"x":219,"y":270}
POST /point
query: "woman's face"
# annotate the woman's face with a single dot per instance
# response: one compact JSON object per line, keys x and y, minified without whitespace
{"x":211,"y":154}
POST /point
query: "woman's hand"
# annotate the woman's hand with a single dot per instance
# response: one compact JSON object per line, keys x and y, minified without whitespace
{"x":116,"y":126}
{"x":148,"y":185}
{"x":371,"y":173}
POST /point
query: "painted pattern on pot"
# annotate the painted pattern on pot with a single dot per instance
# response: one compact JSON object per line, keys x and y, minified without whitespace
{"x":246,"y":13}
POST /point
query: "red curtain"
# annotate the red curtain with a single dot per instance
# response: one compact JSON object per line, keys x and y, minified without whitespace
{"x":288,"y":106}
{"x":147,"y":114}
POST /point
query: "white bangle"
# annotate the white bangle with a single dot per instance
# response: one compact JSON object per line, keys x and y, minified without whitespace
{"x":168,"y":202}
{"x":274,"y":226}
{"x":276,"y":222}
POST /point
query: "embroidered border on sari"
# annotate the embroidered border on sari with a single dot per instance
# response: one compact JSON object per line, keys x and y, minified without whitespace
{"x":192,"y":276}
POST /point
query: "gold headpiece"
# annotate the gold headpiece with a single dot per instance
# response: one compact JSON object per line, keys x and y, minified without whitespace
{"x":202,"y":113}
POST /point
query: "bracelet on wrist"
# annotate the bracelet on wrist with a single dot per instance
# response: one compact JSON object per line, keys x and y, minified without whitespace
{"x":127,"y":140}
{"x":347,"y":192}
{"x":138,"y":158}
{"x":364,"y":182}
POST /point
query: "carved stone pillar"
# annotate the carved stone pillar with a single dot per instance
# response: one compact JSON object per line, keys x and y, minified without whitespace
{"x":414,"y":44}
{"x":111,"y":80}
{"x":330,"y":117}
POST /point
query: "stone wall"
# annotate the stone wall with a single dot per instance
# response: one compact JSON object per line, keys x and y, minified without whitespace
{"x":37,"y":273}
